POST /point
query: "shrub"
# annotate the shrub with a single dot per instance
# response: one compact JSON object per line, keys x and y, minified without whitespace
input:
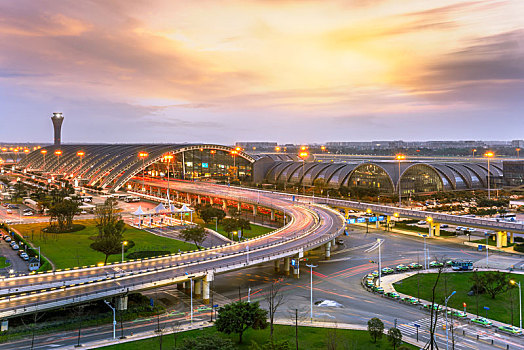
{"x":519,"y":247}
{"x":147,"y":254}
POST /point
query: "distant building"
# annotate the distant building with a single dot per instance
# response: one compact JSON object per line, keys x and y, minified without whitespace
{"x":256,"y":145}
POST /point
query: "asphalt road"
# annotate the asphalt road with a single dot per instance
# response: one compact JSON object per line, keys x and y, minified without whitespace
{"x":336,"y":280}
{"x":94,"y":283}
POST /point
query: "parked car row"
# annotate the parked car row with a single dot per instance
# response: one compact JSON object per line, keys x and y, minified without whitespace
{"x":482,"y":321}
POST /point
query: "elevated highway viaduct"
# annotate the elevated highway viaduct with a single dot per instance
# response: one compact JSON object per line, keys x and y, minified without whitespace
{"x":309,"y":227}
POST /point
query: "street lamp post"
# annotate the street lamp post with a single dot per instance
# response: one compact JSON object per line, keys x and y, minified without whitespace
{"x":44,"y":152}
{"x":191,"y":285}
{"x":518,"y":152}
{"x":81,"y":154}
{"x":489,"y":155}
{"x":425,"y":253}
{"x":474,"y":150}
{"x":446,"y":307}
{"x":379,"y":240}
{"x":399,"y":158}
{"x":114,"y":318}
{"x":311,"y":266}
{"x":168,"y":158}
{"x":303,"y":154}
{"x":487,"y":252}
{"x":58,"y":153}
{"x":520,"y":301}
{"x":124,"y":243}
{"x":143,"y":156}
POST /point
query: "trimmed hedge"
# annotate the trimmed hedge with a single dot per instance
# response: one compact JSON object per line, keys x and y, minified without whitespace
{"x":147,"y":254}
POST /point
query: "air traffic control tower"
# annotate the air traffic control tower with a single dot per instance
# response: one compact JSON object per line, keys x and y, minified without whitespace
{"x":57,"y":119}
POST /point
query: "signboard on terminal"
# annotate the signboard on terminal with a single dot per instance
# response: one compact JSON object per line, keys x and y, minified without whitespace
{"x":361,"y":220}
{"x":372,"y":219}
{"x":381,"y":218}
{"x":351,"y":220}
{"x":205,"y":165}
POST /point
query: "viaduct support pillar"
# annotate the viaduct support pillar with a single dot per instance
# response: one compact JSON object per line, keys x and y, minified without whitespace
{"x":254,"y":210}
{"x":502,"y":239}
{"x":436,"y":230}
{"x":239,"y":207}
{"x":272,"y":214}
{"x":277,"y":265}
{"x":187,"y":287}
{"x":388,"y":222}
{"x":205,"y":287}
{"x":198,"y":288}
{"x":224,"y":205}
{"x":511,"y":239}
{"x":327,"y":247}
{"x":199,"y":199}
{"x":180,"y":286}
{"x":121,"y":303}
{"x":286,"y":266}
{"x":188,"y":198}
{"x":296,"y":268}
{"x":430,"y":231}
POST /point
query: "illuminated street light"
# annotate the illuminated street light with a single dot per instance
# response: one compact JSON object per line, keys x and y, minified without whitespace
{"x":81,"y":154}
{"x":277,"y":149}
{"x":489,"y":155}
{"x":399,"y":157}
{"x":44,"y":152}
{"x":124,"y":243}
{"x":518,"y":152}
{"x":520,"y":301}
{"x":58,"y":153}
{"x":167,"y":158}
{"x":303,"y":154}
{"x":143,"y":156}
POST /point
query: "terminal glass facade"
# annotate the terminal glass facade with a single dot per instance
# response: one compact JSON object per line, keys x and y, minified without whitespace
{"x":203,"y":163}
{"x":420,"y":178}
{"x":371,"y":176}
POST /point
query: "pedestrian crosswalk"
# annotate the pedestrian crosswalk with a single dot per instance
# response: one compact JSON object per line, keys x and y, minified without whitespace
{"x":422,"y":327}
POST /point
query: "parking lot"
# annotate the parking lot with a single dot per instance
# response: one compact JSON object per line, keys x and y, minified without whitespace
{"x":17,"y":263}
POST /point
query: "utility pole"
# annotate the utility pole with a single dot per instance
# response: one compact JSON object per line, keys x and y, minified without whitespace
{"x":311,"y":266}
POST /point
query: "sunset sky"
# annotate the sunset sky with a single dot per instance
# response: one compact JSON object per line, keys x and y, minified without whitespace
{"x":287,"y":71}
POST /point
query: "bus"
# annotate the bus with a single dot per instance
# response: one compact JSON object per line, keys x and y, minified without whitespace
{"x":462,"y":265}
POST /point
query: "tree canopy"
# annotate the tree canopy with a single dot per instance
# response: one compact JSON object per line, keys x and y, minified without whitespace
{"x":111,"y":229}
{"x":238,"y":317}
{"x":375,"y":328}
{"x":196,"y":234}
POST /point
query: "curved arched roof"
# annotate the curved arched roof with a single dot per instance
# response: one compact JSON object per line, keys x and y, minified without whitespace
{"x":454,"y":175}
{"x":108,"y":163}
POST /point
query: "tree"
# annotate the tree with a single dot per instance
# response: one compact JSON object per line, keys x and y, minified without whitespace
{"x":111,"y":229}
{"x":63,"y":213}
{"x":238,"y":317}
{"x":208,"y":342}
{"x":196,"y":233}
{"x":274,"y":299}
{"x":270,"y":345}
{"x":234,"y":213}
{"x":208,"y":214}
{"x":395,"y":337}
{"x":375,"y":328}
{"x":229,"y":225}
{"x":244,"y":224}
{"x":495,"y":282}
{"x":320,"y":185}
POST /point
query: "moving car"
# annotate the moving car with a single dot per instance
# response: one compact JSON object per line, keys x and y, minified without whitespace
{"x":436,"y":307}
{"x":510,"y":329}
{"x":28,"y":213}
{"x":374,"y":273}
{"x":482,"y":321}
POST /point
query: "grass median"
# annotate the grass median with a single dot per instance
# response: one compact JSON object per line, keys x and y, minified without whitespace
{"x":311,"y":338}
{"x":73,"y":249}
{"x":499,"y":308}
{"x":3,"y":263}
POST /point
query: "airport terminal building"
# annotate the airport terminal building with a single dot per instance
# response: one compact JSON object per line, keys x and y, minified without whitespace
{"x":114,"y":167}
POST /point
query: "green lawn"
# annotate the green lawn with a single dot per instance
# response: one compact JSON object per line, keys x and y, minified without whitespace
{"x":500,"y":307}
{"x":72,"y":249}
{"x":3,"y":263}
{"x":309,"y":338}
{"x":256,"y":230}
{"x":491,"y":242}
